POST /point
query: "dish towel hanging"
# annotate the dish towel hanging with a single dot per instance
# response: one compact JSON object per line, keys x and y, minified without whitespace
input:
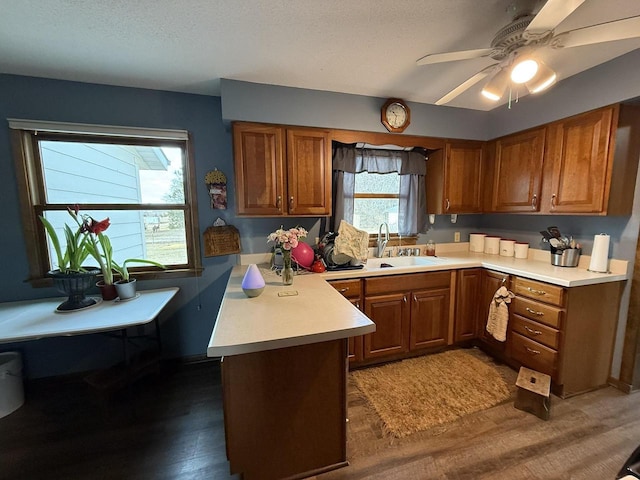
{"x":499,"y":314}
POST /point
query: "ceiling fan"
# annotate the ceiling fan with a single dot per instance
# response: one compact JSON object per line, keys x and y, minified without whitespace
{"x":514,"y":48}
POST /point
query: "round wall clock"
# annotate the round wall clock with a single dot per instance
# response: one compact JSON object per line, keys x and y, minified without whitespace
{"x":395,"y":115}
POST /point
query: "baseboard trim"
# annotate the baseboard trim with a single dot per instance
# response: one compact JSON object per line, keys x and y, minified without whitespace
{"x":622,"y":386}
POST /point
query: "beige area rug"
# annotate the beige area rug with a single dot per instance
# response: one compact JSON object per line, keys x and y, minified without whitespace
{"x":419,"y":393}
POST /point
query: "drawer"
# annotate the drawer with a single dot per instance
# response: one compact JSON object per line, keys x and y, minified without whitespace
{"x":407,"y":283}
{"x":543,"y":292}
{"x":532,"y":354}
{"x":348,"y":288}
{"x":537,"y":311}
{"x":535,"y":331}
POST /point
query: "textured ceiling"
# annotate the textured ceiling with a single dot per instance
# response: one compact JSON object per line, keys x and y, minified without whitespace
{"x":365,"y":47}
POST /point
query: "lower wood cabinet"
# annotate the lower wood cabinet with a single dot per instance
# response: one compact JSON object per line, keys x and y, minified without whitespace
{"x":567,"y":333}
{"x":289,"y":425}
{"x":491,"y":282}
{"x":411,"y":312}
{"x":467,"y":319}
{"x":352,"y":290}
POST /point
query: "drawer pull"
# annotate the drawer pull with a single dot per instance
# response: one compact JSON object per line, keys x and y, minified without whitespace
{"x":532,"y":351}
{"x":532,"y":331}
{"x":279,"y":201}
{"x":404,"y":298}
{"x":342,"y":290}
{"x":534,"y":312}
{"x":536,"y":292}
{"x":357,"y":304}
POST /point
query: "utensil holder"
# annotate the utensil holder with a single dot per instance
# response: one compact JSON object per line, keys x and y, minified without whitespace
{"x":567,"y":257}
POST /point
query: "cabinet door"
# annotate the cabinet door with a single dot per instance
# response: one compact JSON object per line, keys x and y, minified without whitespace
{"x":454,"y":178}
{"x":467,"y":304}
{"x":308,"y":172}
{"x":463,"y":174}
{"x":517,"y":172}
{"x":429,"y":318}
{"x":491,"y":281}
{"x":352,"y":289}
{"x":259,"y":169}
{"x":390,"y":313}
{"x":578,"y":177}
{"x":355,"y":344}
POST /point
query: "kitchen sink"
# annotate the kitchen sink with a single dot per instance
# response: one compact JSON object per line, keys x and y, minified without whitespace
{"x":390,"y":262}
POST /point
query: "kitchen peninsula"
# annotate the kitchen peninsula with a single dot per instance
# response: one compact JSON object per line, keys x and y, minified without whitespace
{"x":284,"y":375}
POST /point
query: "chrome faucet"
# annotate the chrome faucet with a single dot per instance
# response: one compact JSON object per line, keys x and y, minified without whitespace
{"x":381,"y":244}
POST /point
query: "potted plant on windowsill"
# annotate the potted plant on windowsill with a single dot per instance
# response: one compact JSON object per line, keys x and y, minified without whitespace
{"x":71,"y":278}
{"x":99,"y":245}
{"x":126,"y":286}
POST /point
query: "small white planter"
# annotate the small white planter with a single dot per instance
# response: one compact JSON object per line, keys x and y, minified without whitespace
{"x":126,"y":290}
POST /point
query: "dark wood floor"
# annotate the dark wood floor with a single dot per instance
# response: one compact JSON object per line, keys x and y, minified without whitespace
{"x":170,"y":427}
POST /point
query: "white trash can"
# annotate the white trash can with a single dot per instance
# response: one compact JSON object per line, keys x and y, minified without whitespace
{"x":11,"y":386}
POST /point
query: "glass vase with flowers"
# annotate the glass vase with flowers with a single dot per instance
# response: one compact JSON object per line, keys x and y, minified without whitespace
{"x":285,"y":240}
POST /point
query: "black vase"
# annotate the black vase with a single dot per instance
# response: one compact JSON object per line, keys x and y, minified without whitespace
{"x":75,"y":285}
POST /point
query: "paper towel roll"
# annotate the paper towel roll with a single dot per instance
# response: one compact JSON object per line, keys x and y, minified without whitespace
{"x":600,"y":253}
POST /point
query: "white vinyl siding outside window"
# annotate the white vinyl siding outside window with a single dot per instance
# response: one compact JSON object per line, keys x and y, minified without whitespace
{"x":142,"y":185}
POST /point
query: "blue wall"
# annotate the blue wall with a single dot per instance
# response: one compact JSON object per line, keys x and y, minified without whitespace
{"x":188,"y":321}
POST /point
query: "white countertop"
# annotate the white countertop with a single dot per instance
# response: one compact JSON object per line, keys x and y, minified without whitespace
{"x":317,"y":313}
{"x":33,"y":319}
{"x":537,"y":267}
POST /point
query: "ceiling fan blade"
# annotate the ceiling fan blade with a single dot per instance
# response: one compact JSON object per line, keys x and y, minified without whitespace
{"x":454,"y":56}
{"x":466,"y":85}
{"x":550,"y":16}
{"x":604,"y":32}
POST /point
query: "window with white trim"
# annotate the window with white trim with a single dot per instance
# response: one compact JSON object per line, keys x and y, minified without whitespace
{"x":141,"y":179}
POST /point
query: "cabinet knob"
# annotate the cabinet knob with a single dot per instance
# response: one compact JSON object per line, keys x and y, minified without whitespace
{"x":534,"y":202}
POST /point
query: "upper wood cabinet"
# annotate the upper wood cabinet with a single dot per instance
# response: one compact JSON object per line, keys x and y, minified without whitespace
{"x":591,"y":162}
{"x":517,"y":171}
{"x":585,"y":164}
{"x":454,"y":178}
{"x":281,"y":171}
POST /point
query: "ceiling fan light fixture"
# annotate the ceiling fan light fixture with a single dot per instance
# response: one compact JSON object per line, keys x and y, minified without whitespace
{"x":543,"y":79}
{"x":495,"y":88}
{"x":524,"y":70}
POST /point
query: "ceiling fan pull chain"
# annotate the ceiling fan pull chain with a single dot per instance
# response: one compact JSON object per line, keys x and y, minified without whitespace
{"x":509,"y":97}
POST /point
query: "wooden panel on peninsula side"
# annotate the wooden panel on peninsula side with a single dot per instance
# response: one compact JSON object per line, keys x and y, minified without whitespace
{"x":285,"y":410}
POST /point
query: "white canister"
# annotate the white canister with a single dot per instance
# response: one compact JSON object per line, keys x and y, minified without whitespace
{"x":492,"y":245}
{"x":507,"y":247}
{"x":476,"y":242}
{"x":521,"y":250}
